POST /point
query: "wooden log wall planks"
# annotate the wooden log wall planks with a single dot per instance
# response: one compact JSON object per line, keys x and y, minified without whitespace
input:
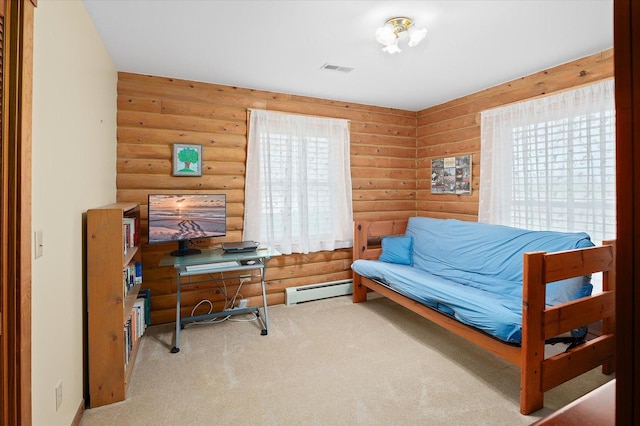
{"x":391,"y":153}
{"x":453,"y":128}
{"x":155,"y":112}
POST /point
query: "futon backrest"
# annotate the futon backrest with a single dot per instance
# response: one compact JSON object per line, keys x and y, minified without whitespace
{"x":490,"y":257}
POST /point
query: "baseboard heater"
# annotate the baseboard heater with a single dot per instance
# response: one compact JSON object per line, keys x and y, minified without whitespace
{"x":310,"y":292}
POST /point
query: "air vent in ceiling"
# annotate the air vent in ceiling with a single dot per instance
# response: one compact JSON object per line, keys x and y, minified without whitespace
{"x":339,"y":68}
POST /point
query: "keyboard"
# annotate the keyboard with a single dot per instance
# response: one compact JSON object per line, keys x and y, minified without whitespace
{"x":211,"y":266}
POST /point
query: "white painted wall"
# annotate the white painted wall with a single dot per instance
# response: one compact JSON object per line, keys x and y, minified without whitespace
{"x":74,"y":169}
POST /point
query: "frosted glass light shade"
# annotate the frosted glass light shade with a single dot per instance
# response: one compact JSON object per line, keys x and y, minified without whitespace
{"x":385,"y":35}
{"x":416,"y":36}
{"x":392,"y":48}
{"x":396,"y":29}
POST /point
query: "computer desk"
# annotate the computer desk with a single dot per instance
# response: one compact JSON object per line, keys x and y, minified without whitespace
{"x":215,"y":260}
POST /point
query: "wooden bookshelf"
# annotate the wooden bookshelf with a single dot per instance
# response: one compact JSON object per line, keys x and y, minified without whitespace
{"x":109,"y":304}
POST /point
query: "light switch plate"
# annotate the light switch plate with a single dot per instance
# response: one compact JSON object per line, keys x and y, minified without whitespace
{"x":38,"y":243}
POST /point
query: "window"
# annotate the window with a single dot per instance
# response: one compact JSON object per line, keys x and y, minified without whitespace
{"x":549,"y":163}
{"x":298,"y":183}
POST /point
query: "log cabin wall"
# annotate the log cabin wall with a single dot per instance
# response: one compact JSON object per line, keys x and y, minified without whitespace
{"x":391,"y":153}
{"x":453,"y":128}
{"x":155,"y":112}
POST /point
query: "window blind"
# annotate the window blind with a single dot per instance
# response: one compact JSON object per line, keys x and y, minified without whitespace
{"x":549,"y":163}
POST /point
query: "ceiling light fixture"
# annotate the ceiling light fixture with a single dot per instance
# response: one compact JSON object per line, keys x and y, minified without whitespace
{"x":395,"y":29}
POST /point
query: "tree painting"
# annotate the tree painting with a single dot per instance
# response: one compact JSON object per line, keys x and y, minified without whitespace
{"x":187,"y":159}
{"x":188,"y":156}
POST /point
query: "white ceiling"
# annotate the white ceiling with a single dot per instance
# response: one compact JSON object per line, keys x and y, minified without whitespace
{"x":280,"y":46}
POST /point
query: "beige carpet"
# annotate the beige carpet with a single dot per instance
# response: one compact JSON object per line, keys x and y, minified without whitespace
{"x":327,"y":362}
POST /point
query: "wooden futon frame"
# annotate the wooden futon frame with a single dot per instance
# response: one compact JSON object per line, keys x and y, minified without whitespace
{"x":537,"y":374}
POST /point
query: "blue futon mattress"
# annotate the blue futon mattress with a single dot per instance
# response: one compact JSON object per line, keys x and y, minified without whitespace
{"x":471,"y":271}
{"x":499,"y":315}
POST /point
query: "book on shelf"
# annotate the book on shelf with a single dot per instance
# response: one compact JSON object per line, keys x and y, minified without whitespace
{"x":135,"y":326}
{"x":145,"y":294}
{"x":138,"y":273}
{"x":127,"y":341}
{"x":132,"y":275}
{"x":127,"y":226}
{"x":140,"y":314}
{"x":136,"y":234}
{"x":131,"y":231}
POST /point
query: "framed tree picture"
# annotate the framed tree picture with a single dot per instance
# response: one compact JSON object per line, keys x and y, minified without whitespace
{"x":187,"y":159}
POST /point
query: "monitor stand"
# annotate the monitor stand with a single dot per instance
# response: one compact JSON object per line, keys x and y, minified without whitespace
{"x":184,"y":250}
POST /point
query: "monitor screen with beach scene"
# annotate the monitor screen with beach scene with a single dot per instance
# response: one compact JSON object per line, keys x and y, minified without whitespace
{"x":183,"y":218}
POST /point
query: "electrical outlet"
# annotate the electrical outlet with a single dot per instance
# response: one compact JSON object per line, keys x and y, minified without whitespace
{"x":58,"y":395}
{"x":242,"y":304}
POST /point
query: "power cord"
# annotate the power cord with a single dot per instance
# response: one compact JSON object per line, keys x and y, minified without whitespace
{"x":230,"y":303}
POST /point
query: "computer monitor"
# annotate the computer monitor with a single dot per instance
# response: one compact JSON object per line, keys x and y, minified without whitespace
{"x":183,"y":218}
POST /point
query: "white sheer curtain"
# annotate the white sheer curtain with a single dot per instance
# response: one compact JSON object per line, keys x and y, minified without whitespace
{"x":549,"y":163}
{"x":298,"y":183}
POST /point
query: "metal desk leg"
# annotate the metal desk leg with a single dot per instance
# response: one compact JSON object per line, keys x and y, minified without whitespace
{"x":265,"y":331}
{"x":176,"y":347}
